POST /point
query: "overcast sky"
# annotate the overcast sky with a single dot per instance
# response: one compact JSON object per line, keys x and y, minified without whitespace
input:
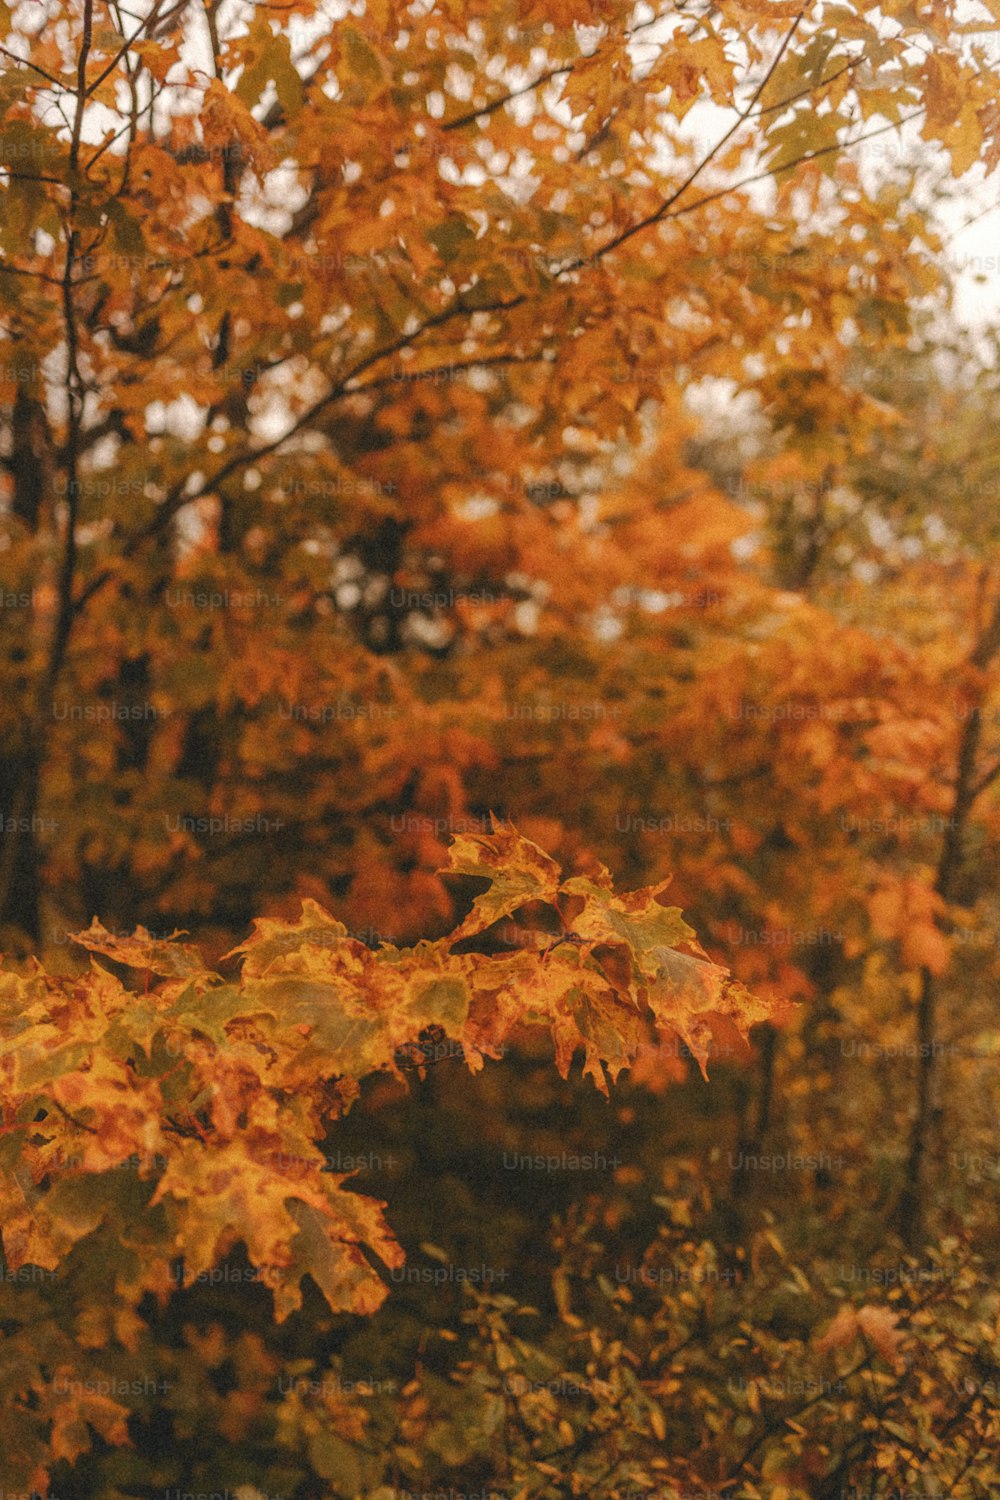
{"x":976,"y":250}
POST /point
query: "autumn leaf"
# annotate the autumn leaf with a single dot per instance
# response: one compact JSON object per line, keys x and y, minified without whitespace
{"x":518,"y":871}
{"x":878,"y":1324}
{"x":638,"y":919}
{"x":687,"y":993}
{"x":72,"y":1418}
{"x":141,"y":951}
{"x":277,"y":943}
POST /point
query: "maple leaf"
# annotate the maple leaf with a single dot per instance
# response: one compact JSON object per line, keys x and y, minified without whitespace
{"x":518,"y":872}
{"x":329,"y":1248}
{"x":141,"y":951}
{"x":689,"y":992}
{"x":637,"y":919}
{"x":40,"y":1228}
{"x":118,"y":1114}
{"x":292,"y":1219}
{"x":277,"y":943}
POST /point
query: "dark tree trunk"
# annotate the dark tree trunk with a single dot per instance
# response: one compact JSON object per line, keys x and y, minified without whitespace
{"x":20,"y":876}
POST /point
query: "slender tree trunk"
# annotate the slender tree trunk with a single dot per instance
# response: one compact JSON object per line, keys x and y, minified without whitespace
{"x":20,"y":878}
{"x":912,"y":1206}
{"x":752,"y":1133}
{"x":968,"y":786}
{"x":19,"y":872}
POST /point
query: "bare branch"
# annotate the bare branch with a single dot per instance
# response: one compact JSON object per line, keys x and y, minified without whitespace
{"x":26,"y":63}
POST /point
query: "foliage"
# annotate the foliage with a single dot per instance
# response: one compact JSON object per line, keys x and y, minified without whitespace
{"x":310,"y":389}
{"x":415,"y":413}
{"x":218,"y":1094}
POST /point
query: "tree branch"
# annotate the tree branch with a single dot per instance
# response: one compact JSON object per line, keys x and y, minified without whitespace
{"x":26,"y":63}
{"x":987,"y":779}
{"x":347,"y":385}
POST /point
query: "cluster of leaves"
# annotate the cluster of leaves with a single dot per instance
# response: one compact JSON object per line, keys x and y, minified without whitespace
{"x":222,"y":1091}
{"x":676,"y":1375}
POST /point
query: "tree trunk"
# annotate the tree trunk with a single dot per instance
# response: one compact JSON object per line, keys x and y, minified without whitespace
{"x":20,"y":877}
